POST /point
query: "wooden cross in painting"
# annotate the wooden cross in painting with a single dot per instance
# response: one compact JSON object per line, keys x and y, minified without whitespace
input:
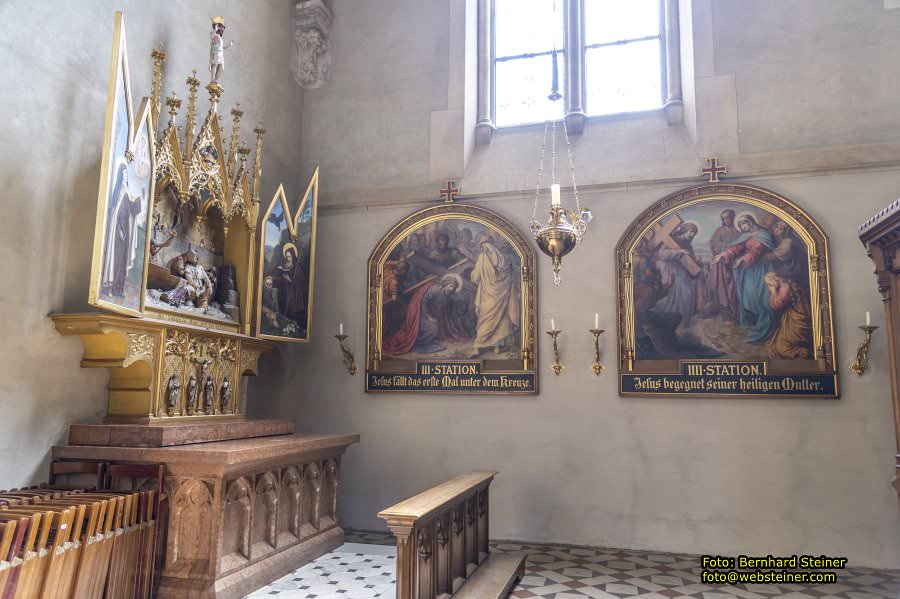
{"x":450,"y":192}
{"x":662,"y":234}
{"x":713,"y":170}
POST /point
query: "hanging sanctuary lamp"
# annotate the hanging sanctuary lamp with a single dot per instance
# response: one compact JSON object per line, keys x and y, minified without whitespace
{"x":565,"y":228}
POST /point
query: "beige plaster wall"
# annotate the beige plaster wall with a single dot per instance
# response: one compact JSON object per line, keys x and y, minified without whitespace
{"x":54,"y":72}
{"x":578,"y":463}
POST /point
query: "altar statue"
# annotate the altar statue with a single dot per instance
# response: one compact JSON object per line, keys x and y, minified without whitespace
{"x":217,"y":48}
{"x":194,"y":283}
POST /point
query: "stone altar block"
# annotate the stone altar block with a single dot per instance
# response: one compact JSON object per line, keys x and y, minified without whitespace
{"x":242,"y":512}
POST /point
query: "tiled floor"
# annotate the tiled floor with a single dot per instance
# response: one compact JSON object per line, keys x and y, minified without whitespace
{"x":364,"y":567}
{"x":349,"y":572}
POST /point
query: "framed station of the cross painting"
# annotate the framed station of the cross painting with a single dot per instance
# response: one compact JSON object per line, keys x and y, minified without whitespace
{"x":452,"y":305}
{"x":724,"y":291}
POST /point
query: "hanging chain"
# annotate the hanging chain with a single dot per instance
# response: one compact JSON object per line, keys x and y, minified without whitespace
{"x":572,"y":169}
{"x":535,"y":225}
{"x":553,"y":155}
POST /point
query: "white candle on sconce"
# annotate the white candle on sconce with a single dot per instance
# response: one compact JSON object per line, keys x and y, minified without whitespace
{"x":341,"y":328}
{"x":868,"y":318}
{"x":552,"y":325}
{"x":596,"y":320}
{"x":554,"y":194}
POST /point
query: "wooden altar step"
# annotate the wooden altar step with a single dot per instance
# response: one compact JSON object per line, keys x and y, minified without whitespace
{"x":494,"y":578}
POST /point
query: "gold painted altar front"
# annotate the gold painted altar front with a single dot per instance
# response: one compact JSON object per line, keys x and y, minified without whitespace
{"x":145,"y":357}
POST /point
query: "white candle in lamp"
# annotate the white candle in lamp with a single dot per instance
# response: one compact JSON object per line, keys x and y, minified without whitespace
{"x":552,"y":325}
{"x":868,"y":318}
{"x":341,"y":328}
{"x":596,"y":320}
{"x":554,"y":194}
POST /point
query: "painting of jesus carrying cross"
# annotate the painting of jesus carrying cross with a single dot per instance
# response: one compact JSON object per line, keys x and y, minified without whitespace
{"x":452,"y":283}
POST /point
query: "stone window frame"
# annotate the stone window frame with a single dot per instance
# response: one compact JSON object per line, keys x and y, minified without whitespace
{"x":573,"y":64}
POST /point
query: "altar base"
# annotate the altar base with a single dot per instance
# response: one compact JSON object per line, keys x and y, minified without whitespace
{"x":242,"y":512}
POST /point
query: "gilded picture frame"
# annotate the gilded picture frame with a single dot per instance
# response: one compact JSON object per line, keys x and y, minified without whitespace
{"x":285,"y":287}
{"x":452,"y":305}
{"x":127,"y":183}
{"x":724,"y":290}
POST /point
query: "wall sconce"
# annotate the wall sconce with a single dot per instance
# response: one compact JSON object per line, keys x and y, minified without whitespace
{"x":557,"y":366}
{"x":861,"y":364}
{"x":347,"y":355}
{"x":597,"y":367}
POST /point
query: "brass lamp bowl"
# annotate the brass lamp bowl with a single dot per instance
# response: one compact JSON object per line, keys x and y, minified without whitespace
{"x":557,"y":240}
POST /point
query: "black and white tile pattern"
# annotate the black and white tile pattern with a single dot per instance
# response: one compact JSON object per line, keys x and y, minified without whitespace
{"x":365,"y":567}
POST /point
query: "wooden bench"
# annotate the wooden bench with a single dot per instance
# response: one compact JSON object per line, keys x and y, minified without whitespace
{"x":443,"y":548}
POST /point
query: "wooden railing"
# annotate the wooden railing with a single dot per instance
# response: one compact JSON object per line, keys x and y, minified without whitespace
{"x":442,"y":536}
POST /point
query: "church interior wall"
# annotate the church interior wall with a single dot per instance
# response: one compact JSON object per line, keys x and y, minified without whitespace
{"x":578,"y":463}
{"x":787,"y":103}
{"x":55,"y":72}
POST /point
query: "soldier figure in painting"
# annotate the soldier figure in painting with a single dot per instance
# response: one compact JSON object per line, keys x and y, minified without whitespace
{"x":217,"y":48}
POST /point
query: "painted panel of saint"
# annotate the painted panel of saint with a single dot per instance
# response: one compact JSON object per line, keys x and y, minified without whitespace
{"x":722,"y":279}
{"x":451,"y":289}
{"x":126,"y":188}
{"x":288,"y":264}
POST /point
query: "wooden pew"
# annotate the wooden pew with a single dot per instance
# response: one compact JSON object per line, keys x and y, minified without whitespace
{"x":12,"y":537}
{"x":443,"y":548}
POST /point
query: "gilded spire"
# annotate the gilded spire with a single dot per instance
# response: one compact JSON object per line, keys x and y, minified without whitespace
{"x":159,"y":57}
{"x":236,"y":113}
{"x":193,"y":84}
{"x":257,"y":162}
{"x":174,"y":104}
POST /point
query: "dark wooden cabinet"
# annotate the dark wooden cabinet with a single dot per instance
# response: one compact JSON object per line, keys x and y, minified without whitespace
{"x":881,"y":236}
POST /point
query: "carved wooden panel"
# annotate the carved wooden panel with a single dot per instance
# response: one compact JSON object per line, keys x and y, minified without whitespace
{"x":310,"y":501}
{"x":238,"y":514}
{"x":191,"y":510}
{"x":290,"y":491}
{"x":265,"y":514}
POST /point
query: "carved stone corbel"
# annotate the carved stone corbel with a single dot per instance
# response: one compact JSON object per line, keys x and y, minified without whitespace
{"x":311,"y":51}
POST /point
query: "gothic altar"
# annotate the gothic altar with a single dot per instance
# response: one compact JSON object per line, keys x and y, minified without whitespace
{"x":179,"y":261}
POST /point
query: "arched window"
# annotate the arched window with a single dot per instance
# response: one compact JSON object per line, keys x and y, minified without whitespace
{"x":611,"y":58}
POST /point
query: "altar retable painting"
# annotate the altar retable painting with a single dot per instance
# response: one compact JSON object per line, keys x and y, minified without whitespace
{"x":126,"y":187}
{"x":450,"y":290}
{"x":287,"y":267}
{"x":724,"y":291}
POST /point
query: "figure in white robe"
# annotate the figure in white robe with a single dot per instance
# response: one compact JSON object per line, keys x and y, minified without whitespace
{"x":496,"y":301}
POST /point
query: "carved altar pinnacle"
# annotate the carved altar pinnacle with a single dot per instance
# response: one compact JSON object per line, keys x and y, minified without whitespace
{"x":159,"y":57}
{"x":174,"y":104}
{"x":193,"y":84}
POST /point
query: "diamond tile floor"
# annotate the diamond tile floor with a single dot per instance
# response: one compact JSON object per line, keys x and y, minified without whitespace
{"x":364,"y":567}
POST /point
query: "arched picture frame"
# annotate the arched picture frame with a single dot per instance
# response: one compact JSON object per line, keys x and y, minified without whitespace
{"x":724,"y":289}
{"x":452,"y":305}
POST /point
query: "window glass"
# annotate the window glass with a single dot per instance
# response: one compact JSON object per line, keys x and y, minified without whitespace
{"x":607,"y":21}
{"x":523,"y":46}
{"x":520,"y":26}
{"x":522,"y":89}
{"x":623,"y":78}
